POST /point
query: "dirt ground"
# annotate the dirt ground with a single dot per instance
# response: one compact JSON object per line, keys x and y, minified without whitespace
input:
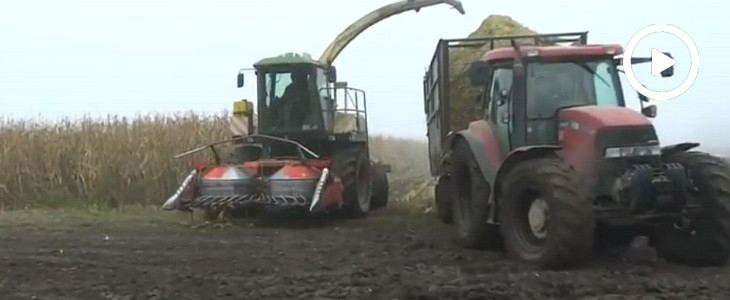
{"x":382,"y":257}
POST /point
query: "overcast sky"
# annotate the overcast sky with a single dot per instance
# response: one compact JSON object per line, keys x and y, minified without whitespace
{"x":76,"y":57}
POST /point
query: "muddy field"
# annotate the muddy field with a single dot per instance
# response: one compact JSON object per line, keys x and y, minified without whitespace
{"x":383,"y":257}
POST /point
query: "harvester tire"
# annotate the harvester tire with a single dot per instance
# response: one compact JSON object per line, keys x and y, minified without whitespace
{"x":707,"y":242}
{"x":353,"y":167}
{"x":380,"y":187}
{"x":442,"y":199}
{"x":548,"y":193}
{"x":470,"y":205}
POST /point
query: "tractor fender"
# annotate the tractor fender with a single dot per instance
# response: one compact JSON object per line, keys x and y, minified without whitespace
{"x":478,"y":149}
{"x":678,"y":148}
{"x":513,"y":158}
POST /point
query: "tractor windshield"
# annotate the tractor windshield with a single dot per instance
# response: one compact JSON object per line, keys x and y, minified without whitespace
{"x":555,"y":85}
{"x":287,"y":101}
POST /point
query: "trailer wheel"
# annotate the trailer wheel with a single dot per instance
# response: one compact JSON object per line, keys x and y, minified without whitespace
{"x":546,"y":215}
{"x":702,"y":237}
{"x":353,"y":167}
{"x":470,"y":205}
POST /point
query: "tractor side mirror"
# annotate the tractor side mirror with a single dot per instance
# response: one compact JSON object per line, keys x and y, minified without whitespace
{"x":669,"y":72}
{"x":331,"y":74}
{"x":240,"y":80}
{"x":478,"y":73}
{"x":649,"y":111}
{"x":642,"y":97}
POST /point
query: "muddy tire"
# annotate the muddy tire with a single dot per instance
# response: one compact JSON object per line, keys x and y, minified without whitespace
{"x":353,"y":167}
{"x":707,"y":241}
{"x":546,"y":214}
{"x":380,"y":187}
{"x":442,"y":200}
{"x":469,"y":203}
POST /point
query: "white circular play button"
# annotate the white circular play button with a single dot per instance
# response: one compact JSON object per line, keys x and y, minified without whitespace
{"x":661,"y":61}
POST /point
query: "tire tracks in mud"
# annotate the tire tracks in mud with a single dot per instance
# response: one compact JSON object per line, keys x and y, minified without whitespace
{"x":382,"y":257}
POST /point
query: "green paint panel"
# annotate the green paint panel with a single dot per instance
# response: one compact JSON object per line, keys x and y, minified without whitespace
{"x":287,"y":59}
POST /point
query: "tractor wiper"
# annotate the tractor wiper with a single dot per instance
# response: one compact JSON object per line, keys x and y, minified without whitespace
{"x":588,"y":69}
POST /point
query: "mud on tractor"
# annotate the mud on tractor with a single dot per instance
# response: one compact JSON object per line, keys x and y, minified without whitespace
{"x":559,"y":166}
{"x":307,"y":150}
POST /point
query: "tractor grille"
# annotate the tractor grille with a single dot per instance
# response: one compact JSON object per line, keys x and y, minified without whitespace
{"x":609,"y":169}
{"x":625,"y":136}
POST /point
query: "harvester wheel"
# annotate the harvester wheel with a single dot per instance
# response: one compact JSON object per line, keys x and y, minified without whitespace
{"x":546,"y":215}
{"x":353,"y":167}
{"x":443,"y":195}
{"x":380,"y":187}
{"x":702,"y":238}
{"x":470,"y":205}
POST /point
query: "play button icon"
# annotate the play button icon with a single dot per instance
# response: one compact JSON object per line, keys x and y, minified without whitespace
{"x":660,"y":62}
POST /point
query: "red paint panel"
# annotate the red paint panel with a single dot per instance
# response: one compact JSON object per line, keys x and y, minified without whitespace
{"x":578,"y":145}
{"x":332,"y":194}
{"x":299,"y":171}
{"x":578,"y":148}
{"x":215,"y":172}
{"x":253,"y":167}
{"x":555,"y":51}
{"x":483,"y":131}
{"x":597,"y":117}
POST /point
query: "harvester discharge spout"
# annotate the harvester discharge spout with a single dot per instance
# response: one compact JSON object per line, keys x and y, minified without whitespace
{"x":351,"y":32}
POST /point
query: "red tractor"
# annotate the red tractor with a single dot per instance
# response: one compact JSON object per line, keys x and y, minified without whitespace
{"x":559,"y":165}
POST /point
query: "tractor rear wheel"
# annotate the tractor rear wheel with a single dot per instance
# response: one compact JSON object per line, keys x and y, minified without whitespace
{"x":380,"y":187}
{"x":546,"y":215}
{"x":470,"y":204}
{"x":353,"y":167}
{"x":702,"y":237}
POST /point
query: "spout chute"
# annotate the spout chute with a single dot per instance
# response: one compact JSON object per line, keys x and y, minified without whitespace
{"x":351,"y":32}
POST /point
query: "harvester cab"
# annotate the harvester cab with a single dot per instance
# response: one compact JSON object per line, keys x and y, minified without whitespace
{"x":304,"y":146}
{"x":300,"y":99}
{"x":558,"y":165}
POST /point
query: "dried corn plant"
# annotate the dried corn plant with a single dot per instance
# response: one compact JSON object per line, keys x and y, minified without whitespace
{"x":115,"y":162}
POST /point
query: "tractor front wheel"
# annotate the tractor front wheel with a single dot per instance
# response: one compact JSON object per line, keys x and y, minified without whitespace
{"x":546,"y":215}
{"x":470,"y":204}
{"x":701,"y":236}
{"x":353,"y":167}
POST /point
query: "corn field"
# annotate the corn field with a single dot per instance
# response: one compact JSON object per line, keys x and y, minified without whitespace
{"x":115,"y":162}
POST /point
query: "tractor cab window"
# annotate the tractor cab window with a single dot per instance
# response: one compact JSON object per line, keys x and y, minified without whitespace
{"x":288,"y":101}
{"x":326,"y":101}
{"x":499,"y":93}
{"x":555,"y":85}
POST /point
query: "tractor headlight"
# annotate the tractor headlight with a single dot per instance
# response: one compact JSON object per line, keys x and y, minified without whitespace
{"x":615,"y":152}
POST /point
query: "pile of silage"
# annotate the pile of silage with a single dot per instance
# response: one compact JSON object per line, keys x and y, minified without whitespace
{"x":464,"y":107}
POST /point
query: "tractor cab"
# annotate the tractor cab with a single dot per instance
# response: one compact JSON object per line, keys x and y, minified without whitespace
{"x":525,"y":87}
{"x":300,"y":99}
